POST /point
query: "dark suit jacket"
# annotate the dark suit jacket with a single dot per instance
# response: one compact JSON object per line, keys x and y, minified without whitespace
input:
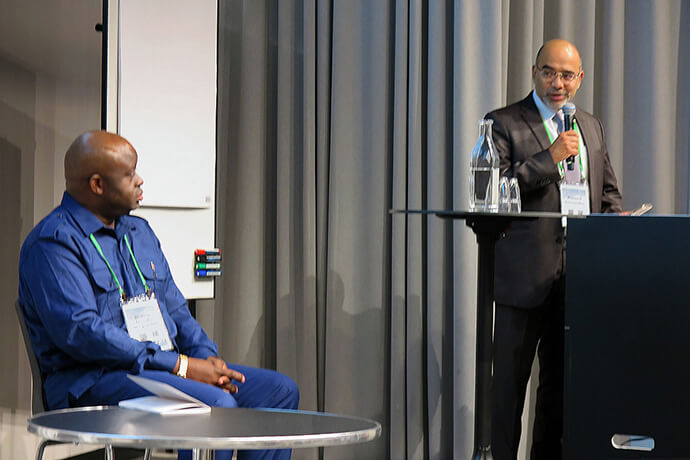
{"x":529,"y":258}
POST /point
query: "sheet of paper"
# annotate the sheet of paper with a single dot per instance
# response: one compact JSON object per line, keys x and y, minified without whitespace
{"x":163,"y":389}
{"x":164,"y":406}
{"x":168,"y":400}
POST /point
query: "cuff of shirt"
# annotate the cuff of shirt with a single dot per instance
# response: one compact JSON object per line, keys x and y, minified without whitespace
{"x":204,"y":354}
{"x":200,"y":352}
{"x":164,"y":360}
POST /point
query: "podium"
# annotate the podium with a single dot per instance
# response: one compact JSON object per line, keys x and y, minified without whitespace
{"x":627,"y":338}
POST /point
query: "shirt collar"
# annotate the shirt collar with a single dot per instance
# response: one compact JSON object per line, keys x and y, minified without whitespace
{"x":85,"y":219}
{"x":544,"y":110}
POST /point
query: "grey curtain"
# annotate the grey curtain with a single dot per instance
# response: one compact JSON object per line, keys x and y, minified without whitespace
{"x":333,"y":112}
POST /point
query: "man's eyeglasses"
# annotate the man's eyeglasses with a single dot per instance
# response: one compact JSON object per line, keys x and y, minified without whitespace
{"x":547,"y":73}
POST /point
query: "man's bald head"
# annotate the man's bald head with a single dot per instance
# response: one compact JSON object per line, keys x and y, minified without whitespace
{"x":100,"y":174}
{"x":92,"y":152}
{"x":558,"y":45}
{"x":557,"y":73}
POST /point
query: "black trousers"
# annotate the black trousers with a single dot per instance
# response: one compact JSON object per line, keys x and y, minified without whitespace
{"x":518,"y":333}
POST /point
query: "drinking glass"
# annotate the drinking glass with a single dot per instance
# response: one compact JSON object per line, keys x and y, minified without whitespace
{"x":514,"y":194}
{"x":503,"y":194}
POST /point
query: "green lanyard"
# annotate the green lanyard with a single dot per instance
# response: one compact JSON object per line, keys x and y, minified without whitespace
{"x":579,"y":149}
{"x":112,"y":272}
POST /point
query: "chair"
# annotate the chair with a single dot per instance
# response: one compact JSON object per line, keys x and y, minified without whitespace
{"x":38,"y":403}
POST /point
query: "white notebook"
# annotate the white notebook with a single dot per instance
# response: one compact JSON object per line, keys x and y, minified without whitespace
{"x":168,"y":400}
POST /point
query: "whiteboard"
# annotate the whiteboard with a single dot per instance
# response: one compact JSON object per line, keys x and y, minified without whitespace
{"x":166,"y":98}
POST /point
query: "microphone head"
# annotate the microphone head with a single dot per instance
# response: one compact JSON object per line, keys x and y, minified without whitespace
{"x":569,"y":109}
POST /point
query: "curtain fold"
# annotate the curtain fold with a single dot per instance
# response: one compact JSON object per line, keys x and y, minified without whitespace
{"x":398,"y":283}
{"x":651,"y":69}
{"x":682,"y":185}
{"x":437,"y":241}
{"x":332,"y":112}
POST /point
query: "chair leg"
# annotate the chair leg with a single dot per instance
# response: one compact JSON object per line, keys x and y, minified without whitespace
{"x":109,"y":452}
{"x":42,"y":447}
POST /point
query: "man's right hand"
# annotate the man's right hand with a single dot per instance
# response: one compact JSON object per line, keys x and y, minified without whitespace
{"x":209,"y":371}
{"x":566,"y":145}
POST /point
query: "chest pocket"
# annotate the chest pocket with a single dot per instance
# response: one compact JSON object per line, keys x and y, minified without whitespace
{"x":157,"y":276}
{"x":152,"y":267}
{"x":107,"y":296}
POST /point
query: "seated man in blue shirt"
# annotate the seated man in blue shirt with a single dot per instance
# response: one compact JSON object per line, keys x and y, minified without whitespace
{"x":85,"y":264}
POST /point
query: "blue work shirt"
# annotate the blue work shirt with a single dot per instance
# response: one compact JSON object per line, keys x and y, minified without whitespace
{"x":72,"y":304}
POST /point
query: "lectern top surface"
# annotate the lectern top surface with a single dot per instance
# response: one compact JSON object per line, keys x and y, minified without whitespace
{"x":460,"y":214}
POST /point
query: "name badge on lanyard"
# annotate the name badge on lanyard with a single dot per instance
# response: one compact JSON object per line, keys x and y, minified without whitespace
{"x":143,"y":316}
{"x":144,"y":321}
{"x":574,"y":196}
{"x":575,"y":199}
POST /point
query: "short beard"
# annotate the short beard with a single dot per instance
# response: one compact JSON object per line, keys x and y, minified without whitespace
{"x":560,"y":105}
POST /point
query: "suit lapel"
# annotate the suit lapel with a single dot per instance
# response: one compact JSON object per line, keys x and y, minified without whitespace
{"x":530,"y":114}
{"x":585,"y":130}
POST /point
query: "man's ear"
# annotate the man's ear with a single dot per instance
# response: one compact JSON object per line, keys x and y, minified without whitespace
{"x":96,"y":184}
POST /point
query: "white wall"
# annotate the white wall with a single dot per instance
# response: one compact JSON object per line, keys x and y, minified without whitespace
{"x":49,"y":93}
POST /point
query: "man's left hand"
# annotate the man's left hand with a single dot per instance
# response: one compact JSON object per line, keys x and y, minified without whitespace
{"x":223,"y":381}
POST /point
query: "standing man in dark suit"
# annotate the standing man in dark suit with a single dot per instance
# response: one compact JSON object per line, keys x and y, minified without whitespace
{"x":530,"y":263}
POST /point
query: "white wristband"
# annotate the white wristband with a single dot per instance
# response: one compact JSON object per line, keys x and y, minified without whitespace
{"x":182,"y":371}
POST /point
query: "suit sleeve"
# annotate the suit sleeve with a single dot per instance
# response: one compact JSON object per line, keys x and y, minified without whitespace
{"x":534,"y":170}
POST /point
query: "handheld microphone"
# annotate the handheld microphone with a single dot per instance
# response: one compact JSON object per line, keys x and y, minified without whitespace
{"x":569,"y":118}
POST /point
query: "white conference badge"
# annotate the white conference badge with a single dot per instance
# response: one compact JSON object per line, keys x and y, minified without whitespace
{"x":144,"y":321}
{"x":574,"y":199}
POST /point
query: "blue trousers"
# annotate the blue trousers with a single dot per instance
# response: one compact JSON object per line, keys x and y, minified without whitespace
{"x":262,"y":388}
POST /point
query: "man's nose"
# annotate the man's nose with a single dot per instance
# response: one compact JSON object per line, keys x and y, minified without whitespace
{"x":557,"y":81}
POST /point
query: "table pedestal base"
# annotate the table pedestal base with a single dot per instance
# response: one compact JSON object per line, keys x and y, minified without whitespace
{"x":202,"y":454}
{"x":488,"y":231}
